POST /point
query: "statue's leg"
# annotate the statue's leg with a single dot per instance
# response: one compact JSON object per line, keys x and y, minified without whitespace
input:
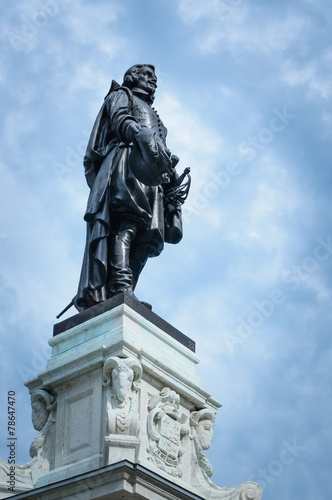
{"x":138,"y":258}
{"x":121,"y":276}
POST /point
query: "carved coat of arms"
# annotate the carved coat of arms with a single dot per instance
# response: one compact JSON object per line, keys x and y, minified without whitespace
{"x":166,"y":429}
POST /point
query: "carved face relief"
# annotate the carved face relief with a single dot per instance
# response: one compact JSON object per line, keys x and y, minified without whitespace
{"x":204,"y":431}
{"x":39,"y":415}
{"x":122,"y":380}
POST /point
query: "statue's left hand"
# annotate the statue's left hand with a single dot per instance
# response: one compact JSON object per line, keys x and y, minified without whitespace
{"x":175,"y":160}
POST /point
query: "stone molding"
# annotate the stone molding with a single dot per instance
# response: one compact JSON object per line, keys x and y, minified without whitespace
{"x":121,"y":480}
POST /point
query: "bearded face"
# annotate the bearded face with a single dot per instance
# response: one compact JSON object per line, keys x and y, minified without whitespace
{"x":39,"y":415}
{"x":204,"y":431}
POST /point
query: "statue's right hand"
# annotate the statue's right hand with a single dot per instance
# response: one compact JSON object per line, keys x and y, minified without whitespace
{"x":132,"y":130}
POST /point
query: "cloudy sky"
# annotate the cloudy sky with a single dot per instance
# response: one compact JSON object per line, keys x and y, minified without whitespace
{"x":245,"y":90}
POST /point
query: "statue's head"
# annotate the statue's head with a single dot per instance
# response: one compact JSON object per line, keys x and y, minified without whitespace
{"x":141,"y":76}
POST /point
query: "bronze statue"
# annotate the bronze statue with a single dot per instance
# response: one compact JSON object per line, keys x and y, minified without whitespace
{"x":136,"y":196}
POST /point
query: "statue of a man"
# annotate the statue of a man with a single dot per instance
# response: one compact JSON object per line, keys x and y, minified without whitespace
{"x":135,"y":198}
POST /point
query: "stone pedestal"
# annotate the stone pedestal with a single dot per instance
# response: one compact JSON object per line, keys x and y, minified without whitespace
{"x":120,"y":401}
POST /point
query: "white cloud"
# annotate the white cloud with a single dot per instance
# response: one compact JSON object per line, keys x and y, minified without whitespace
{"x":191,"y":11}
{"x":88,"y":75}
{"x":326,"y":118}
{"x":255,"y":220}
{"x":317,"y":283}
{"x":186,"y":128}
{"x":197,"y":144}
{"x":93,"y":26}
{"x":238,"y":26}
{"x":315,"y":76}
{"x":18,"y":124}
{"x":83,"y":26}
{"x":35,"y":248}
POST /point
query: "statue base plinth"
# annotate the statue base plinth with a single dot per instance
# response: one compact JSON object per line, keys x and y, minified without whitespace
{"x":120,"y":397}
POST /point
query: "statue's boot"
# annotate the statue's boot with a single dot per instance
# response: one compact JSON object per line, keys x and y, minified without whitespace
{"x":121,"y":276}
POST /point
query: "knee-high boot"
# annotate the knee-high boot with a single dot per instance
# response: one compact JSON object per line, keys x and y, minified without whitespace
{"x":121,"y":276}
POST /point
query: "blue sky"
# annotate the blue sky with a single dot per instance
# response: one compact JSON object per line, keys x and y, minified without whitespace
{"x":245,"y":90}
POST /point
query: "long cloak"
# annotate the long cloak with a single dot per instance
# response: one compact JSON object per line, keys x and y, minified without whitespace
{"x":116,"y":194}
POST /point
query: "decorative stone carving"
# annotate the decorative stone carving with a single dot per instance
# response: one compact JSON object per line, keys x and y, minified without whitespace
{"x":166,"y":429}
{"x":201,"y":432}
{"x":121,"y":377}
{"x":43,"y":406}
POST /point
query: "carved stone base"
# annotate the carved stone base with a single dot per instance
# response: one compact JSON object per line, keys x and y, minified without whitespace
{"x":122,"y":385}
{"x":114,"y":482}
{"x":120,"y":446}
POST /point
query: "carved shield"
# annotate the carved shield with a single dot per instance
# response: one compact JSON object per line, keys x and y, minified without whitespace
{"x":170,"y":438}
